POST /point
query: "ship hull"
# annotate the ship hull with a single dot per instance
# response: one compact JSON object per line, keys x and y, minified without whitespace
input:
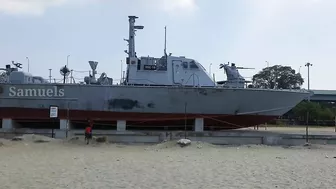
{"x":213,"y":121}
{"x":147,"y":105}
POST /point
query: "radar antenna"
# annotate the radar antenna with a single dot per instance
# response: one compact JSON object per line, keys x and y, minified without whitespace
{"x":17,"y":64}
{"x":64,"y":71}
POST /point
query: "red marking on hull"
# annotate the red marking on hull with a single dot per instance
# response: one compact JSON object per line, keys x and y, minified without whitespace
{"x":141,"y":119}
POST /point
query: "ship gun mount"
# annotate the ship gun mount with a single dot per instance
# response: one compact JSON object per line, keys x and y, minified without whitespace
{"x":234,"y":79}
{"x":4,"y":76}
{"x":102,"y":80}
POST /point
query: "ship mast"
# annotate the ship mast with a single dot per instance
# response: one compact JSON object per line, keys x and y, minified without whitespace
{"x":165,"y":42}
{"x":131,"y":41}
{"x":131,"y":44}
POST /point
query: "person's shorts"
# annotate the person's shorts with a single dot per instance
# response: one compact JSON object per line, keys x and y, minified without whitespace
{"x":88,"y":135}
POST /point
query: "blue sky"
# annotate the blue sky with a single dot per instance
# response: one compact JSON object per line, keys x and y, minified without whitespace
{"x":247,"y":32}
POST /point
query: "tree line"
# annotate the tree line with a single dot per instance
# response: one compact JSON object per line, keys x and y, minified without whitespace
{"x":319,"y":113}
{"x":284,"y":77}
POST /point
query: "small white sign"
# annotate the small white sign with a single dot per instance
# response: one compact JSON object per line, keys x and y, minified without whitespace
{"x":53,"y":113}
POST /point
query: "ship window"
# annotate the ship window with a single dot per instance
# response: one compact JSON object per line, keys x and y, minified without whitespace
{"x":193,"y":65}
{"x":202,"y":67}
{"x":185,"y":65}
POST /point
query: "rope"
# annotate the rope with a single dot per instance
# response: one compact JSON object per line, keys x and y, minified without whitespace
{"x":160,"y":118}
{"x":221,"y":121}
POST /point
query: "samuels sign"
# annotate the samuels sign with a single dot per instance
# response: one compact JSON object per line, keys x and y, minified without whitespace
{"x":47,"y":92}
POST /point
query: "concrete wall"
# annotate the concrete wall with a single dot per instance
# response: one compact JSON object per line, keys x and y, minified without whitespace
{"x":9,"y":134}
{"x":220,"y":138}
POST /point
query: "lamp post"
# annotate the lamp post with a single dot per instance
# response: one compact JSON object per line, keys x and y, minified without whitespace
{"x":308,"y":65}
{"x":210,"y":68}
{"x":267,"y":63}
{"x":300,"y":69}
{"x":28,"y":62}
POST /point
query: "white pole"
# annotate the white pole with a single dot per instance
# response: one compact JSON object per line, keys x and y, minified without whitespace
{"x":121,"y":71}
{"x":28,"y":62}
{"x":50,"y":75}
{"x":68,"y":60}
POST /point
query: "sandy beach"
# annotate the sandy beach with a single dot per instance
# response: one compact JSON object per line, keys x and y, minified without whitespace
{"x":63,"y":164}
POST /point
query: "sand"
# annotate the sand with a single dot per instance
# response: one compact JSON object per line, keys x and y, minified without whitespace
{"x":58,"y":164}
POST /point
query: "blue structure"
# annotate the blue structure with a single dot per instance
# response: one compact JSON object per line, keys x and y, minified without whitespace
{"x":324,"y":96}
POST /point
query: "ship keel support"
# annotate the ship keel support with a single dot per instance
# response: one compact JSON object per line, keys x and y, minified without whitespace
{"x":199,"y":125}
{"x":65,"y":124}
{"x":121,"y":125}
{"x":65,"y":127}
{"x":9,"y":124}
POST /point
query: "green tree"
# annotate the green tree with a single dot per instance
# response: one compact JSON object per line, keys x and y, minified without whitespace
{"x":316,"y":111}
{"x":277,"y":77}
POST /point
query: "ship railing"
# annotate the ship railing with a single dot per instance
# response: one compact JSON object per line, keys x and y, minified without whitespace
{"x":150,"y":82}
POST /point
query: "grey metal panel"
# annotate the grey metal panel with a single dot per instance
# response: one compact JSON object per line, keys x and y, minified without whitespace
{"x":157,"y":99}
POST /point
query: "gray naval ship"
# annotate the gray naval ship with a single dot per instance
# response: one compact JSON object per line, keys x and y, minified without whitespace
{"x":156,"y":91}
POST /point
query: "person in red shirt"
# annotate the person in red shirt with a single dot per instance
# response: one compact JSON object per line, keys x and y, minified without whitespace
{"x":88,"y":132}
